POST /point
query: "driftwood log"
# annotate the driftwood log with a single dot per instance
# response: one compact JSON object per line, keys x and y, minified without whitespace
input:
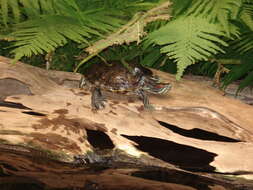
{"x":195,"y":138}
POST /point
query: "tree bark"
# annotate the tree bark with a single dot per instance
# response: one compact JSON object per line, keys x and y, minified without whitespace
{"x":49,"y":136}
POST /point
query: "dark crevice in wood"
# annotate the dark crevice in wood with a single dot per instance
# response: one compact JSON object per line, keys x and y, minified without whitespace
{"x":198,"y":133}
{"x":33,"y":113}
{"x":183,"y":156}
{"x":99,"y":139}
{"x":177,"y":177}
{"x":13,"y":105}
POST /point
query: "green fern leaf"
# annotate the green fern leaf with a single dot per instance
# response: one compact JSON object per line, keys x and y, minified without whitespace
{"x":11,"y":9}
{"x":221,"y":11}
{"x":101,"y":20}
{"x":47,"y":6}
{"x":239,"y":72}
{"x":47,"y":33}
{"x":247,"y":15}
{"x":180,"y":6}
{"x":4,"y":11}
{"x":247,"y":81}
{"x":31,"y":8}
{"x":189,"y":39}
{"x":244,"y":43}
{"x":15,"y":10}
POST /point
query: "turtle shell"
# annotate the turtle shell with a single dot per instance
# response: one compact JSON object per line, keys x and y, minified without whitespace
{"x":115,"y":77}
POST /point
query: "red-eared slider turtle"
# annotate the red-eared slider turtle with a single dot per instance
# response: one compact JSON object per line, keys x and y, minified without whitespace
{"x":124,"y":79}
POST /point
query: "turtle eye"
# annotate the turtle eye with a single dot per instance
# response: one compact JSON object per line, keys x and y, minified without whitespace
{"x":136,"y":71}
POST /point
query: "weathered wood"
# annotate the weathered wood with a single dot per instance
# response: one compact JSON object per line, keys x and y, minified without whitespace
{"x":35,"y":170}
{"x":45,"y":115}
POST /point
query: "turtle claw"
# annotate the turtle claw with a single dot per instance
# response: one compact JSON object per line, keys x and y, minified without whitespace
{"x":99,"y":104}
{"x":149,"y":107}
{"x":143,"y":96}
{"x":98,"y":101}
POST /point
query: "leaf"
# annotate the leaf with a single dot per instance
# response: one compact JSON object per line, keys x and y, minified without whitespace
{"x":101,"y":20}
{"x":151,"y":57}
{"x":31,"y":8}
{"x":247,"y":81}
{"x":4,"y":11}
{"x":47,"y":33}
{"x":221,"y":11}
{"x":244,"y":44}
{"x":238,"y":72}
{"x":180,"y":6}
{"x":189,"y":39}
{"x":15,"y":10}
{"x":247,"y":15}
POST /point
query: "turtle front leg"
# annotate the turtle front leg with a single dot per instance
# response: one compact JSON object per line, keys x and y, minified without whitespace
{"x":97,"y":99}
{"x":144,"y":97}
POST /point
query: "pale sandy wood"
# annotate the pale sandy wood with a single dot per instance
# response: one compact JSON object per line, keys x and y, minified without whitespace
{"x":66,"y":108}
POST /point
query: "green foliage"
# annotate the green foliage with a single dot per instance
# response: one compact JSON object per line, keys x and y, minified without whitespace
{"x":200,"y":30}
{"x":63,"y":58}
{"x":188,"y":39}
{"x":45,"y":25}
{"x":204,"y":28}
{"x":216,"y":11}
{"x":244,"y":44}
{"x":32,"y":38}
{"x":242,"y":72}
{"x":205,"y":68}
{"x":247,"y":14}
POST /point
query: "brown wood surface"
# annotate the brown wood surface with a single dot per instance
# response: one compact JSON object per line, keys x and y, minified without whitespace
{"x":46,"y":120}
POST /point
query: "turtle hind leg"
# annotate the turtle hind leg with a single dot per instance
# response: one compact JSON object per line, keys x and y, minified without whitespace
{"x":144,"y":97}
{"x":97,"y":99}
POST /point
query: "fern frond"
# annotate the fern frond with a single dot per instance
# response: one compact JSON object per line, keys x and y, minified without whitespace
{"x":50,"y":23}
{"x":13,"y":8}
{"x":152,"y":57}
{"x":111,"y":14}
{"x":102,"y":20}
{"x":130,"y":7}
{"x":244,"y":43}
{"x":215,"y":9}
{"x":242,"y":71}
{"x":247,"y":81}
{"x":47,"y":6}
{"x":189,"y":39}
{"x":4,"y":11}
{"x":180,"y":6}
{"x":47,"y":33}
{"x":247,"y":15}
{"x":221,"y":11}
{"x":34,"y":8}
{"x":31,"y":8}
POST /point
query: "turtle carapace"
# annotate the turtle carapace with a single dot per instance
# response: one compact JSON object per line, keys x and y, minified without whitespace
{"x":117,"y":78}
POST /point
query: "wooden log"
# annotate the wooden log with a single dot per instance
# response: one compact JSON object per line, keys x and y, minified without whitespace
{"x":44,"y":115}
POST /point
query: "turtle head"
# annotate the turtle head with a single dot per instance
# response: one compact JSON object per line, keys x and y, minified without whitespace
{"x":153,"y":85}
{"x":159,"y":88}
{"x":149,"y":82}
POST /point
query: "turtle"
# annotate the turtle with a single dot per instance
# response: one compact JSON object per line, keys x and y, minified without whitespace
{"x":127,"y":79}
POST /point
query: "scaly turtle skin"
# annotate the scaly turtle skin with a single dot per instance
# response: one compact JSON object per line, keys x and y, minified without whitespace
{"x":134,"y":80}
